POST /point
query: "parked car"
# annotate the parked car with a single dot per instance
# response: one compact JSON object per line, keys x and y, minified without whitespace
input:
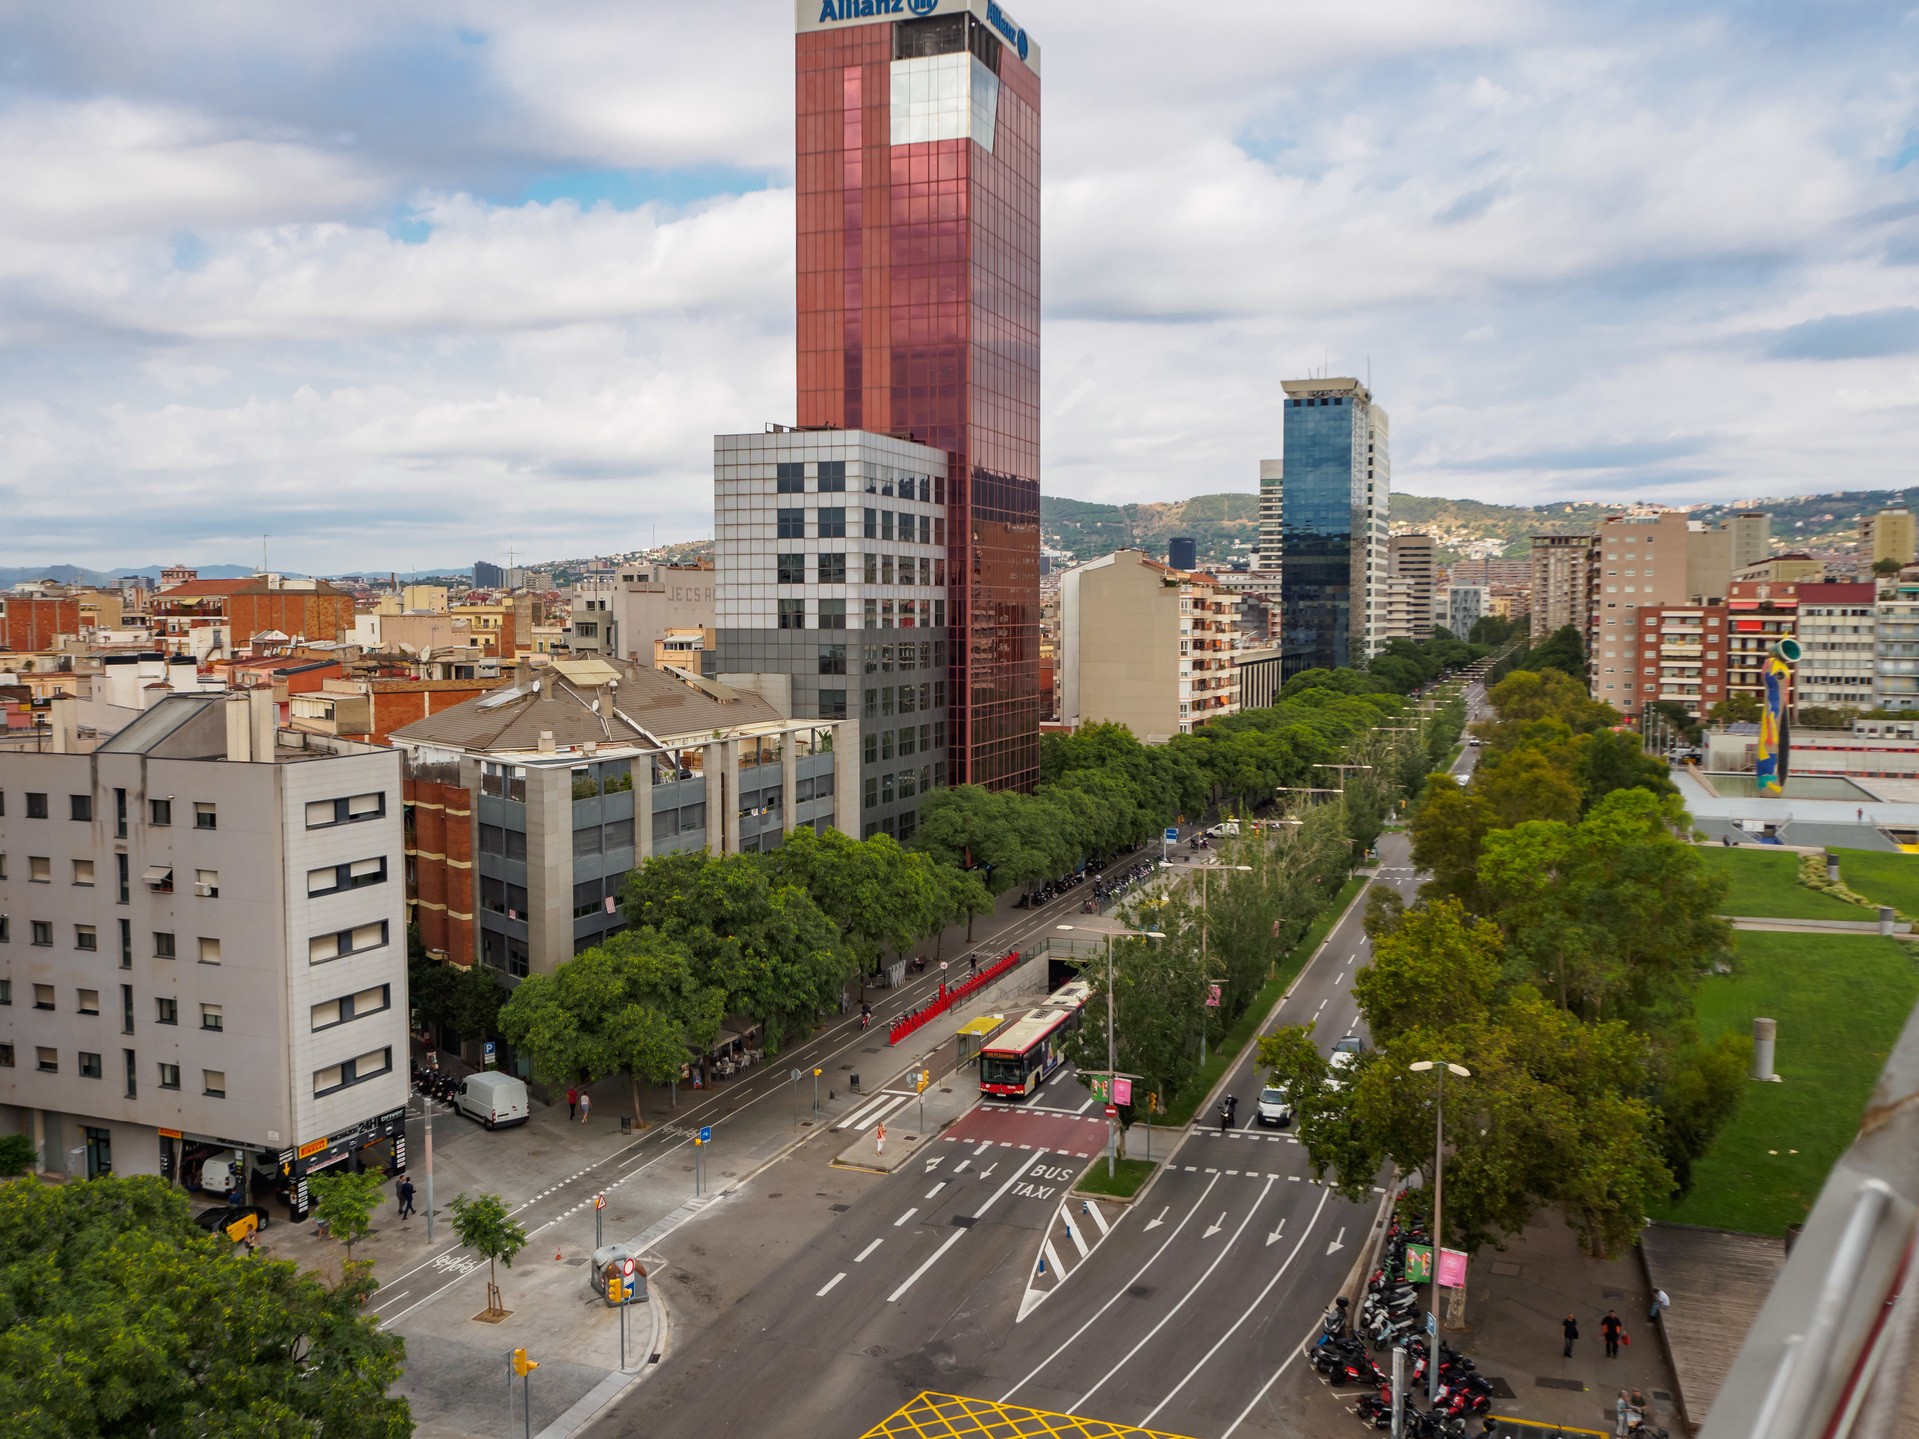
{"x":496,"y":1100}
{"x":1273,"y":1109}
{"x":226,"y":1217}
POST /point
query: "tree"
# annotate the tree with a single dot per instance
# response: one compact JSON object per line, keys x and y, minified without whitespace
{"x":345,"y":1202}
{"x":1735,"y":709}
{"x":431,"y":985}
{"x":476,"y":998}
{"x":1159,"y":1003}
{"x":1611,"y":760}
{"x":1886,"y":566}
{"x":635,"y":1006}
{"x":1522,"y":784}
{"x":123,"y":1318}
{"x":1449,"y":825}
{"x":484,"y":1226}
{"x":881,"y":896}
{"x":17,"y":1155}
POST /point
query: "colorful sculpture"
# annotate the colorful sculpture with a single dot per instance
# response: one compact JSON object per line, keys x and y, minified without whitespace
{"x":1775,"y":736}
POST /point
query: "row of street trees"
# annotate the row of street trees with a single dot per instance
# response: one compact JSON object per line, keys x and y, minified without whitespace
{"x":1555,"y":953}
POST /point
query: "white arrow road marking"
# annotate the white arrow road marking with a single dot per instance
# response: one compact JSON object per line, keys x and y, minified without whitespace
{"x":1218,"y":1224}
{"x":959,"y":1234}
{"x":1155,"y":1223}
{"x":860,"y":1258}
{"x":933,"y":1163}
{"x":827,"y":1288}
{"x":1225,"y":1249}
{"x":1256,"y":1307}
{"x":987,"y":1172}
{"x":1336,"y":1246}
{"x":1273,"y":1238}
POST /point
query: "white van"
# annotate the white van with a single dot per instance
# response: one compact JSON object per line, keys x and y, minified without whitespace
{"x":496,"y":1100}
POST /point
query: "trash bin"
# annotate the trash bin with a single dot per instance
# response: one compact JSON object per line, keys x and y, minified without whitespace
{"x":626,"y":1124}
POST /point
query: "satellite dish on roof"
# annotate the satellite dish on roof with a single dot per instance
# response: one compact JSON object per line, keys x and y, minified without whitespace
{"x":536,"y":687}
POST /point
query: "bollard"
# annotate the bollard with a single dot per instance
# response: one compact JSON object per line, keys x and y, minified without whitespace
{"x":1765,"y":1033}
{"x":1885,"y":919}
{"x":1832,"y":869}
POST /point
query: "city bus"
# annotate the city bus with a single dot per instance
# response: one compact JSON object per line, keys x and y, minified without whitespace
{"x":1018,"y":1061}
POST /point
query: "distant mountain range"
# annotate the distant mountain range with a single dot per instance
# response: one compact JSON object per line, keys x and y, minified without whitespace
{"x":1227,"y":525}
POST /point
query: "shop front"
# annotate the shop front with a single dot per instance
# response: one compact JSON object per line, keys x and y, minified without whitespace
{"x":377,"y":1144}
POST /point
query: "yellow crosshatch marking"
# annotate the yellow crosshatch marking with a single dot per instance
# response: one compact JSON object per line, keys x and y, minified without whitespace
{"x":950,"y":1416}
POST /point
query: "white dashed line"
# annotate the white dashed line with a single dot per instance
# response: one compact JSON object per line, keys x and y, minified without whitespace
{"x":936,"y":1189}
{"x":906,"y":1216}
{"x":861,"y":1257}
{"x":827,"y":1288}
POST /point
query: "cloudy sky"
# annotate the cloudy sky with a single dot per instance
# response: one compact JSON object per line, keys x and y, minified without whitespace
{"x":406,"y":283}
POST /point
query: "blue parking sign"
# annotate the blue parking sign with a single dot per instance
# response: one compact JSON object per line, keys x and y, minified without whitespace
{"x":706,"y":1134}
{"x":1171,"y":834}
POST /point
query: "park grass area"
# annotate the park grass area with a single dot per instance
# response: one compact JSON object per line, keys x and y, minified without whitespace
{"x":1882,"y":878}
{"x":1186,"y":1103}
{"x":1841,"y":1002}
{"x":1127,"y":1178}
{"x":1765,"y":885}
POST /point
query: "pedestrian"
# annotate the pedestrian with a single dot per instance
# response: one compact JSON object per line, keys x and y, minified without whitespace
{"x":1610,"y":1328}
{"x":586,"y":1106}
{"x":1659,"y":1302}
{"x":404,"y":1191}
{"x":1859,"y":813}
{"x":572,"y":1104}
{"x":1571,"y":1326}
{"x":1620,"y":1410}
{"x":972,"y":965}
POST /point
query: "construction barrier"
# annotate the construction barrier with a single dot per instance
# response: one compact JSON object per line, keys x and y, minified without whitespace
{"x":947,"y":998}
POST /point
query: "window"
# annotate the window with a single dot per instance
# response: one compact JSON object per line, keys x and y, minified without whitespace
{"x":870,"y":563}
{"x":871,"y":709}
{"x":872,"y":746}
{"x":355,"y":1071}
{"x":89,"y":1065}
{"x":832,"y":659}
{"x":206,"y":883}
{"x":790,"y":569}
{"x":6,"y":991}
{"x":832,"y":614}
{"x":88,"y":1000}
{"x":793,"y":614}
{"x":209,"y":950}
{"x":833,"y":475}
{"x":587,"y":629}
{"x":215,"y":1081}
{"x":47,"y":1060}
{"x":39,"y":869}
{"x":43,"y":996}
{"x":6,"y":1056}
{"x":324,"y":812}
{"x":323,"y":947}
{"x":886,"y":524}
{"x":85,"y":936}
{"x":163,"y":944}
{"x":169,"y":1076}
{"x":832,"y":704}
{"x":160,"y":812}
{"x":789,"y":478}
{"x":43,"y":933}
{"x":790,"y":525}
{"x":204,"y":816}
{"x":166,"y":1011}
{"x":36,"y":805}
{"x":80,"y":807}
{"x":158,"y":878}
{"x":337,"y":877}
{"x":126,"y":1008}
{"x":83,"y":872}
{"x":212,"y":1017}
{"x":832,"y":570}
{"x":870,"y":526}
{"x":832,"y":523}
{"x":120,"y":813}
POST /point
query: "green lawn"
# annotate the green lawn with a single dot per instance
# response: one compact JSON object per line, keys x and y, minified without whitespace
{"x":1840,"y":1002}
{"x":1128,"y":1176}
{"x":1765,"y":885}
{"x":1882,"y":878}
{"x":1180,"y":1109}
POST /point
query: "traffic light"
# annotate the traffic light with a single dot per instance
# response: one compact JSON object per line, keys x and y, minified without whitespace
{"x":522,"y":1365}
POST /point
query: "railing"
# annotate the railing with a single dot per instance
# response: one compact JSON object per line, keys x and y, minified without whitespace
{"x":948,"y":997}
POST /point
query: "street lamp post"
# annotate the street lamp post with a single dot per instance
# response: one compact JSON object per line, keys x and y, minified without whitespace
{"x":1205,"y":912}
{"x":1112,"y":1040}
{"x":1420,"y":1066}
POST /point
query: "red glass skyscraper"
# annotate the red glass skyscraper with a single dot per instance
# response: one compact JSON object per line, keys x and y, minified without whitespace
{"x":918,"y":249}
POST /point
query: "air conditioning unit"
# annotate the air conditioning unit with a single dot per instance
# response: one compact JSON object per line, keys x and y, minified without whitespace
{"x":205,"y":891}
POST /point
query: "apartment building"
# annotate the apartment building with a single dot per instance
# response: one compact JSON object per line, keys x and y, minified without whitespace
{"x":1465,"y":605}
{"x":1888,"y":535}
{"x":531,"y":804}
{"x":1641,"y":564}
{"x":1681,"y":655}
{"x":1410,"y":560}
{"x":654,"y":603}
{"x":833,"y":584}
{"x":1561,"y":579}
{"x":1838,"y":632}
{"x":1146,"y":646}
{"x":202,"y":950}
{"x":1896,"y":647}
{"x":1760,"y":613}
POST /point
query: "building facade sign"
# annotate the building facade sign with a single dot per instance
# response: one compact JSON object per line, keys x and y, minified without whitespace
{"x":811,"y":15}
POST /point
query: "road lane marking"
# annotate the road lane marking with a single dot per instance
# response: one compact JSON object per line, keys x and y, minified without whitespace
{"x":874,"y":1116}
{"x":906,"y":1216}
{"x":1084,"y":1107}
{"x":861,"y":1257}
{"x":1052,"y":1261}
{"x":935,"y":1189}
{"x":1273,"y":1238}
{"x":960,"y":1168}
{"x":827,"y":1288}
{"x":984,"y":1147}
{"x":957,"y":1234}
{"x":1225,"y":1249}
{"x":1155,"y":1223}
{"x":1338,"y":1241}
{"x":1099,"y":1217}
{"x":1072,"y":1233}
{"x":1219,"y":1223}
{"x":1117,"y":1293}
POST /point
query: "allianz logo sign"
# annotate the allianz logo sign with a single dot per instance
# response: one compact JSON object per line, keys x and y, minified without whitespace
{"x":1002,"y":22}
{"x":869,"y":9}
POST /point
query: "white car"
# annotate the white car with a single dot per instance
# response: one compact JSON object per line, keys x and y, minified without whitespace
{"x":1345,"y":1055}
{"x":1225,"y":827}
{"x":1273,"y":1109}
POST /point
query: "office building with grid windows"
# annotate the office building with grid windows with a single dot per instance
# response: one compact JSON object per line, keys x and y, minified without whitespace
{"x":833,"y":598}
{"x":918,"y":314}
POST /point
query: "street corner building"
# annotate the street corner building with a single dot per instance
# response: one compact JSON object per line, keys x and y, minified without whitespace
{"x":202,"y":949}
{"x":918,"y":136}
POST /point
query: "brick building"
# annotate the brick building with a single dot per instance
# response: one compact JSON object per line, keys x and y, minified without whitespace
{"x":31,"y":624}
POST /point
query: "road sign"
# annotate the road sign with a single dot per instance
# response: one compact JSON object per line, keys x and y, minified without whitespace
{"x":487,"y":1053}
{"x":706,"y":1134}
{"x":798,"y":1075}
{"x":1112,"y":1111}
{"x":599,"y":1201}
{"x":1432,"y":1322}
{"x":1172,"y":834}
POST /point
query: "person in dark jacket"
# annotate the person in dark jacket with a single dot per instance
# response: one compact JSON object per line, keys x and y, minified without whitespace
{"x":1610,"y":1328}
{"x":1571,"y":1326}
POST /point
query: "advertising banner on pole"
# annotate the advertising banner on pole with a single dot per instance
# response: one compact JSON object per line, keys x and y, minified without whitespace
{"x":1452,"y":1269}
{"x":1419,"y":1263}
{"x":1122,"y":1090}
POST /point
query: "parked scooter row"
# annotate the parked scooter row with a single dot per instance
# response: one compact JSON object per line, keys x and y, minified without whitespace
{"x":435,"y":1083}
